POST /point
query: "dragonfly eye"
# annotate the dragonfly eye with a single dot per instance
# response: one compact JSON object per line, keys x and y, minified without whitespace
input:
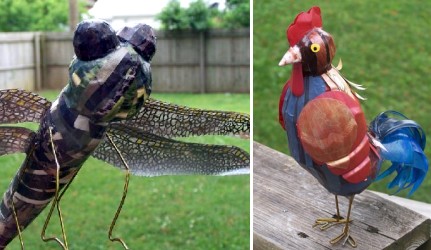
{"x":94,"y":39}
{"x":142,"y":38}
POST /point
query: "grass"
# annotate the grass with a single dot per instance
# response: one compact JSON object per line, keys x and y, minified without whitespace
{"x":168,"y":212}
{"x":384,"y":45}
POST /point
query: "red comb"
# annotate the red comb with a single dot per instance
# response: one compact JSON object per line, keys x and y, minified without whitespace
{"x":304,"y":22}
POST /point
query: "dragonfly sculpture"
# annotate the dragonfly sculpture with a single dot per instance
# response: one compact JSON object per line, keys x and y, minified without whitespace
{"x":105,"y":112}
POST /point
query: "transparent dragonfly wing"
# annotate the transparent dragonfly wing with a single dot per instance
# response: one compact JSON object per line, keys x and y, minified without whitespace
{"x":148,"y":154}
{"x":171,"y":120}
{"x":21,"y":106}
{"x":15,"y":140}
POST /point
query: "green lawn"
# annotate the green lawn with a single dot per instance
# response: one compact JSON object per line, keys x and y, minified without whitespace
{"x":384,"y":45}
{"x":169,"y":212}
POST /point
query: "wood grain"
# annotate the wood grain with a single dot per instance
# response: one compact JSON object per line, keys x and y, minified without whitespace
{"x":287,"y":200}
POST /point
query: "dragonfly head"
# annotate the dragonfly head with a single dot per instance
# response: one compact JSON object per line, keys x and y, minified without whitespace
{"x":142,"y":38}
{"x":110,"y":78}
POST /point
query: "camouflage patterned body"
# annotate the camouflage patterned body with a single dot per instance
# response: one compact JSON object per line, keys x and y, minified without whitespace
{"x":102,"y":90}
{"x":107,"y":93}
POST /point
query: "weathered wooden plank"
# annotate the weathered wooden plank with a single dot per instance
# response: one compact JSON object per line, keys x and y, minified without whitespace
{"x":287,"y":200}
{"x":417,"y":206}
{"x":23,"y":79}
{"x":16,"y":37}
{"x":58,"y":51}
{"x":241,"y":32}
{"x":37,"y":49}
{"x":17,"y":60}
{"x":59,"y":36}
{"x":56,"y":77}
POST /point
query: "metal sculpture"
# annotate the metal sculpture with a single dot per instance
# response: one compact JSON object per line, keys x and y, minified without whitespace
{"x":326,"y":128}
{"x":105,"y":112}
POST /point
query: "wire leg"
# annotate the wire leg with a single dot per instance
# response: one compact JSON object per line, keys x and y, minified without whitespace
{"x":325,"y":223}
{"x":55,"y":204}
{"x":15,"y":216}
{"x":338,"y":208}
{"x":50,"y":214}
{"x":123,"y":198}
{"x":14,"y":212}
{"x":346,"y":230}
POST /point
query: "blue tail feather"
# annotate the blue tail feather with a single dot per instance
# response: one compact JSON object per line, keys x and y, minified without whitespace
{"x":404,"y":141}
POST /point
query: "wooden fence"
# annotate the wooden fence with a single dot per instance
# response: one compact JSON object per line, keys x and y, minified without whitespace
{"x":215,"y":61}
{"x":19,"y":60}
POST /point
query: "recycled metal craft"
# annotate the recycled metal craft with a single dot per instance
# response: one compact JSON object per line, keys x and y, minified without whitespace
{"x":105,"y":112}
{"x":326,"y":128}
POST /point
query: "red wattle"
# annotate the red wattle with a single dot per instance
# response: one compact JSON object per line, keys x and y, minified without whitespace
{"x":297,"y":79}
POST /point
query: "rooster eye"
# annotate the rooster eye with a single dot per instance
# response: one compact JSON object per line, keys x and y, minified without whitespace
{"x":315,"y":47}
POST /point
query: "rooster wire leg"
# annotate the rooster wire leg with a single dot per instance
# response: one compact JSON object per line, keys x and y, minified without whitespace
{"x":123,"y":198}
{"x":325,"y":223}
{"x":346,"y":230}
{"x":55,"y":203}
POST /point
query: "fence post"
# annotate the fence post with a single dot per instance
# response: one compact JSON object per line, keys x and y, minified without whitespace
{"x":202,"y":57}
{"x":43,"y":63}
{"x":37,"y":61}
{"x":73,"y":14}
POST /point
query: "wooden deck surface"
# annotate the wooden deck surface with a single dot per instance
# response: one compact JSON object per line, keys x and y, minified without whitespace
{"x":417,"y":206}
{"x":287,"y":200}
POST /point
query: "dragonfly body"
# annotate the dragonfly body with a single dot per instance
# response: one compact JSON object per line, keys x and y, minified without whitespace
{"x":107,"y":92}
{"x":78,"y":120}
{"x":34,"y":185}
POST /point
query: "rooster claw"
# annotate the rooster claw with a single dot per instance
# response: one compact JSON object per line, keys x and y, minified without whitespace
{"x":347,"y":238}
{"x":325,"y":223}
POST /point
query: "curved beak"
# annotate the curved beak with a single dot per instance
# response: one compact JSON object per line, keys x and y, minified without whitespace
{"x":293,"y":55}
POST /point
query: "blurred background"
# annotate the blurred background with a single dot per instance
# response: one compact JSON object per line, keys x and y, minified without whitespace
{"x":202,"y":60}
{"x":384,"y":45}
{"x":202,"y":46}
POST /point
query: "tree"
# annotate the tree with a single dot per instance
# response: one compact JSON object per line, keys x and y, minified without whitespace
{"x":173,"y":16}
{"x":237,"y":14}
{"x":202,"y":16}
{"x":199,"y":15}
{"x":34,"y":15}
{"x":196,"y":17}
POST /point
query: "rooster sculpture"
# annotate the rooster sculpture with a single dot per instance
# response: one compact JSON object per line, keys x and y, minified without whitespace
{"x":326,"y":128}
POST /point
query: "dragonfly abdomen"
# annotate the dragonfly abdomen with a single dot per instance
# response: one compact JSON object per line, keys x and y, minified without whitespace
{"x":75,"y":138}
